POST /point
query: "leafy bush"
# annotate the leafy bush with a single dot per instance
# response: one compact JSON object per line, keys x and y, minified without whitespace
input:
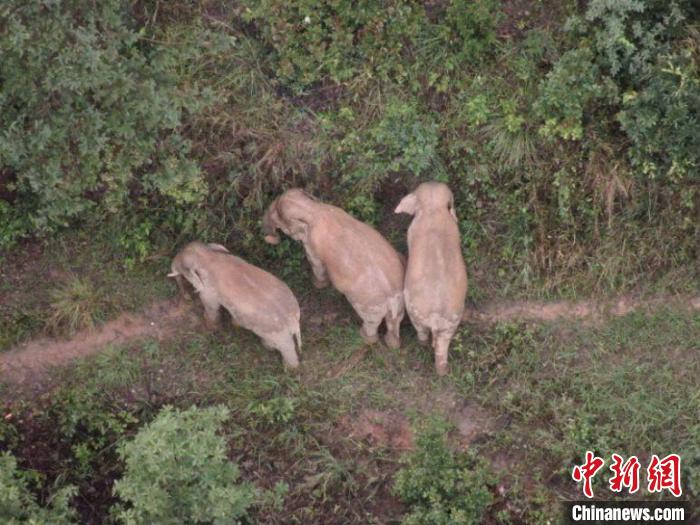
{"x":342,"y":41}
{"x":442,"y":487}
{"x":18,"y":504}
{"x":661,"y":118}
{"x":627,"y":35}
{"x":177,"y":470}
{"x":568,"y":93}
{"x":464,"y":34}
{"x":626,"y":93}
{"x":90,"y":114}
{"x":333,"y":39}
{"x":91,"y":425}
{"x":403,"y":140}
{"x":631,"y":55}
{"x":12,"y":224}
{"x":641,"y":46}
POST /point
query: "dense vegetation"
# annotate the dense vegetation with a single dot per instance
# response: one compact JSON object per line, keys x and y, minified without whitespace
{"x":569,"y":135}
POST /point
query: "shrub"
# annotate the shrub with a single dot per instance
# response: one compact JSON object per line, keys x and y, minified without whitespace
{"x":90,"y":116}
{"x":627,"y":92}
{"x":402,"y":140}
{"x":91,"y":425}
{"x":342,"y":41}
{"x":631,"y":55}
{"x":568,"y":93}
{"x":646,"y":47}
{"x":18,"y":505}
{"x":627,"y":35}
{"x":442,"y":487}
{"x":177,"y":471}
{"x":75,"y":304}
{"x":278,"y":410}
{"x":338,"y":40}
{"x":463,"y":35}
{"x":661,"y":117}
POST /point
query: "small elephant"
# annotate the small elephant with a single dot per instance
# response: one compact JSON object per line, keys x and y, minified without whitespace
{"x":354,"y":257}
{"x":256,"y":299}
{"x":436,"y":276}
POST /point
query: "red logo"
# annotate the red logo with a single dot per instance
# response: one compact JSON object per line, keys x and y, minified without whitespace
{"x":625,"y":475}
{"x":662,"y":474}
{"x":586,"y":472}
{"x":665,"y":474}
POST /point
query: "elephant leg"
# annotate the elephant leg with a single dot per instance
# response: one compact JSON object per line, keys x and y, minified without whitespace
{"x":372,"y":317}
{"x":320,"y":279}
{"x":393,"y":324}
{"x":441,"y":344}
{"x":289,"y":353}
{"x":211,"y":310}
{"x":369,"y":331}
{"x":423,"y":333}
{"x":284,"y":343}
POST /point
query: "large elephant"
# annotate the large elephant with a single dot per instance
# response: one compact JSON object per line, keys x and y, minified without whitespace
{"x":256,"y":299}
{"x":354,"y":257}
{"x":436,"y":276}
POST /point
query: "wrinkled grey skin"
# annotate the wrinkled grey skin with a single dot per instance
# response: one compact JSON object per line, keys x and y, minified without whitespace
{"x":256,"y":299}
{"x":436,"y":276}
{"x":354,"y":257}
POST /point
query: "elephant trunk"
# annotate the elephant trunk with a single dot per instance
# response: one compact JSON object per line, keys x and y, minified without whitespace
{"x":269,"y":224}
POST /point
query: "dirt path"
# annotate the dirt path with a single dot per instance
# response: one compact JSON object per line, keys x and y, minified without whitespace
{"x":590,"y":310}
{"x":164,"y":319}
{"x":161,"y":320}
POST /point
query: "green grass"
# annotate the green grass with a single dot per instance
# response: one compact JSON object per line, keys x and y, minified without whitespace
{"x":74,"y":282}
{"x":544,"y":394}
{"x":629,"y":386}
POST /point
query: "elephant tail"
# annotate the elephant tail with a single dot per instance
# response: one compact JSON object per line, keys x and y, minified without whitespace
{"x":297,"y":338}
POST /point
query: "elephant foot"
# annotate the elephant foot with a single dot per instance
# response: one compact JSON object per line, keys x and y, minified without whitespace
{"x":392,"y":341}
{"x":369,"y":339}
{"x":424,"y":337}
{"x":212,"y":326}
{"x":320,"y":284}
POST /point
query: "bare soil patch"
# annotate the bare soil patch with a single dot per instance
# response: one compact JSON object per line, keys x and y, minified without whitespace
{"x":472,"y":423}
{"x":160,"y":320}
{"x":382,"y":429}
{"x":589,"y":310}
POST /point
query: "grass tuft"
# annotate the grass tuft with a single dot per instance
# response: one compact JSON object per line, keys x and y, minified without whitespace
{"x":75,"y":304}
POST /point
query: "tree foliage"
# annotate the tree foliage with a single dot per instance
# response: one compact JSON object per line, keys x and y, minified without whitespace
{"x":177,"y":470}
{"x":442,"y":487}
{"x":19,"y":505}
{"x":91,"y":114}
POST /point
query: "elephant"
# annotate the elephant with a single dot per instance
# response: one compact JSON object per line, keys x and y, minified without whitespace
{"x":347,"y":253}
{"x":256,"y":299}
{"x":435,"y":287}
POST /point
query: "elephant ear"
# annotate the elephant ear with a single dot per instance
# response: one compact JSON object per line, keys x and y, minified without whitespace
{"x":409,"y":204}
{"x":217,"y":247}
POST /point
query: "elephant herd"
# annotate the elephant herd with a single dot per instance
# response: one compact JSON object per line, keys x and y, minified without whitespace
{"x":352,"y":256}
